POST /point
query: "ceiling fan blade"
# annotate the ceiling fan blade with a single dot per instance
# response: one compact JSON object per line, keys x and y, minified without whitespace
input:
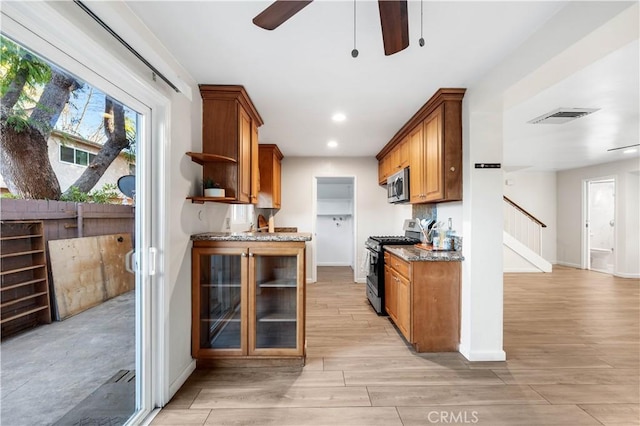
{"x":278,"y":13}
{"x":395,"y":25}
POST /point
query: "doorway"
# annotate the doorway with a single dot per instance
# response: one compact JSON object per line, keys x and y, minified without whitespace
{"x":599,"y":254}
{"x":335,"y":222}
{"x":58,"y":394}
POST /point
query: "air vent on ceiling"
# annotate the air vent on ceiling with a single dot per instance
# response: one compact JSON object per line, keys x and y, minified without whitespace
{"x":562,"y":115}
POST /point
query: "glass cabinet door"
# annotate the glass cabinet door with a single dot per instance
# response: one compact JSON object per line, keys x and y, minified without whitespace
{"x":220,"y":274}
{"x":275,"y":295}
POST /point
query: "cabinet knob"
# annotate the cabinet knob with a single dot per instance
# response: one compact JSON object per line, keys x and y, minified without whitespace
{"x":250,"y":254}
{"x":453,"y":169}
{"x":244,"y":255}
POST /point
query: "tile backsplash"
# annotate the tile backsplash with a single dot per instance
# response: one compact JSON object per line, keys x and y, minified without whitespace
{"x":424,"y":211}
{"x":430,"y":211}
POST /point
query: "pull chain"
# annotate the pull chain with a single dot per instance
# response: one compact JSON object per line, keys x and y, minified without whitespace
{"x":354,"y":52}
{"x":421,"y":41}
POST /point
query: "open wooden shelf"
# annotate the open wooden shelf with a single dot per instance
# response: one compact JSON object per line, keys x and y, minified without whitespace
{"x":201,"y":200}
{"x":202,"y":158}
{"x":24,"y":287}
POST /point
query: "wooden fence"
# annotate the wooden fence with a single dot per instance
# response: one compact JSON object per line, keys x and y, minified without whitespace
{"x":65,"y":220}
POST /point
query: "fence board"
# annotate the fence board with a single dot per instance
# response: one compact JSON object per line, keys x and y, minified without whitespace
{"x":87,"y":271}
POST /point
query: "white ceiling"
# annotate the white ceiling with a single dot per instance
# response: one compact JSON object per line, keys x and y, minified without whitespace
{"x":301,"y":73}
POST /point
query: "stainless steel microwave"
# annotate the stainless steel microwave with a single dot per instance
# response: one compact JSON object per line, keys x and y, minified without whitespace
{"x":398,"y":187}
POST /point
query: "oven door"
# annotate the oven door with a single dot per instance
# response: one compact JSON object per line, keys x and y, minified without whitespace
{"x":372,"y":272}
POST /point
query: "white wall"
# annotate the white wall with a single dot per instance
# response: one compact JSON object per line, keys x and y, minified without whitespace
{"x":536,"y":193}
{"x":334,"y":240}
{"x":570,"y":214}
{"x":373,"y":215}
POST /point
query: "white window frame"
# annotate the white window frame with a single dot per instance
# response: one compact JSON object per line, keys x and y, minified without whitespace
{"x":53,"y":30}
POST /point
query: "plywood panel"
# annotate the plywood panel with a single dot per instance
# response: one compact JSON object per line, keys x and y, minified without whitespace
{"x":88,"y":271}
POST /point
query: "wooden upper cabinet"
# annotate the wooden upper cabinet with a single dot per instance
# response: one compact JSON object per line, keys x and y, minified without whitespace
{"x":394,"y":161}
{"x":230,"y":129}
{"x":434,"y":139}
{"x":255,"y":164}
{"x":434,"y":185}
{"x":270,"y":176}
{"x":244,"y":194}
{"x":384,"y":170}
{"x":404,"y":153}
{"x":417,"y":174}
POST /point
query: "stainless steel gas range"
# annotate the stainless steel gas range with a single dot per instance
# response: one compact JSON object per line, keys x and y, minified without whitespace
{"x":375,"y":274}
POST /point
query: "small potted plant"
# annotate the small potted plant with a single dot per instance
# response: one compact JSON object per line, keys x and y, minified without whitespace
{"x":212,"y":188}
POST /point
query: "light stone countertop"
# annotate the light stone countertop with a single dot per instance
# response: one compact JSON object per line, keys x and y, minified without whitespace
{"x":252,"y":236}
{"x":414,"y":254}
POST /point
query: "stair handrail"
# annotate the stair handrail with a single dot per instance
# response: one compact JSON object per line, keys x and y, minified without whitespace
{"x":523,"y":211}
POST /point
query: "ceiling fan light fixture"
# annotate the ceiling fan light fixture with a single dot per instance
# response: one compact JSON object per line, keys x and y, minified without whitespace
{"x":332,"y":144}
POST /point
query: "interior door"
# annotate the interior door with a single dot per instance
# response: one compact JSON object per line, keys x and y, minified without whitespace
{"x":600,"y":225}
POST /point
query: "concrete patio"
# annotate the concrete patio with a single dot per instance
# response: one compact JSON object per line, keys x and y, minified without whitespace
{"x":48,"y":370}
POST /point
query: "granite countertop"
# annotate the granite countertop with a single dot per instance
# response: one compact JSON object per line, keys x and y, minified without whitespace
{"x":414,"y":254}
{"x":252,"y":236}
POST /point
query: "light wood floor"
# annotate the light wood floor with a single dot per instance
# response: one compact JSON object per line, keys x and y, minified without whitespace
{"x":572,"y":340}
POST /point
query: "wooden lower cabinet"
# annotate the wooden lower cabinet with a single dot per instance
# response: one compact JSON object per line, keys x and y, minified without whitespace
{"x":423,"y":300}
{"x":248,"y":299}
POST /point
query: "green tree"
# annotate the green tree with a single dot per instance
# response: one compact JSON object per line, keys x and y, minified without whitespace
{"x":33,"y":95}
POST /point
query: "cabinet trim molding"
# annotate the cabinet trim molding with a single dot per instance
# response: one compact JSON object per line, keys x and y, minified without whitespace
{"x":232,"y":92}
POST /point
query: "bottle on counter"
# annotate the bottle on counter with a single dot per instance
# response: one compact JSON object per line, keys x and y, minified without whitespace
{"x":448,"y":243}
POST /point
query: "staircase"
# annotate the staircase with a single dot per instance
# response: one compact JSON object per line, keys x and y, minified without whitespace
{"x":522,"y":240}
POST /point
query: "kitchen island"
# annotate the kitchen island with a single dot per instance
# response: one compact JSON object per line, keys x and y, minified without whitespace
{"x":248,"y":297}
{"x":422,"y":296}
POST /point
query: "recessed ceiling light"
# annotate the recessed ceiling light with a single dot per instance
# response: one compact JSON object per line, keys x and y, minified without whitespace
{"x":629,"y":151}
{"x":338,"y":117}
{"x":332,"y":144}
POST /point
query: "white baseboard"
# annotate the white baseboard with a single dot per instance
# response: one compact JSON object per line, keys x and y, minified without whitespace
{"x":520,"y":270}
{"x":182,"y":378}
{"x":533,"y":259}
{"x":570,"y":265}
{"x":625,"y":275}
{"x":483,"y":355}
{"x":361,"y":280}
{"x":333,"y":264}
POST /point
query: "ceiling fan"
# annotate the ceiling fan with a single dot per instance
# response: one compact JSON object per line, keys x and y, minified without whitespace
{"x":393,"y":19}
